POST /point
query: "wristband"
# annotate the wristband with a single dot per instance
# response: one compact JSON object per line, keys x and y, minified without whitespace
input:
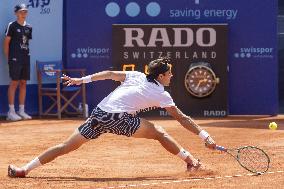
{"x":87,"y":79}
{"x":203,"y":134}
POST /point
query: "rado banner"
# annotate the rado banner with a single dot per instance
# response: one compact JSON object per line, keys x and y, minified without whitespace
{"x":199,"y":62}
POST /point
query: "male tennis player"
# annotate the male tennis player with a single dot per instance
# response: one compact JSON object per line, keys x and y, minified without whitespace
{"x":116,"y":114}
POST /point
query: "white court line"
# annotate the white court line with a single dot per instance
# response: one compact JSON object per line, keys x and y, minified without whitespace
{"x":238,"y":175}
{"x":228,"y":176}
{"x":132,"y":185}
{"x":145,"y":184}
{"x":187,"y":180}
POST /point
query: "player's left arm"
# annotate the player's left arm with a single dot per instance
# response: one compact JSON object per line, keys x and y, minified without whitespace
{"x":188,"y":123}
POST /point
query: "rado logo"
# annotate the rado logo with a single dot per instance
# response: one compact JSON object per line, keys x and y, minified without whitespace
{"x":135,"y":36}
{"x":214,"y":113}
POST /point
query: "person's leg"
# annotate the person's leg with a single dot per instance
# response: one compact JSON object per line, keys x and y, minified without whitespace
{"x":71,"y":144}
{"x":11,"y":115}
{"x":22,"y":91}
{"x":11,"y":92}
{"x":22,"y":97}
{"x":150,"y":131}
{"x":14,"y":73}
{"x":24,"y":76}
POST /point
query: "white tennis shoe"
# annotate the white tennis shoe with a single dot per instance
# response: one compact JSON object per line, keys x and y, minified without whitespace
{"x":12,"y":116}
{"x":194,"y":166}
{"x":24,"y":115}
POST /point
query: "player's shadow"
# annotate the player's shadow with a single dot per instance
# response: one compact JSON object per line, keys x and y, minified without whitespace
{"x":186,"y":175}
{"x":84,"y":179}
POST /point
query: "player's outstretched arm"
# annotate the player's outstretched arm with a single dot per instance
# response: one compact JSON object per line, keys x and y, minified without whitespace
{"x":188,"y":123}
{"x":114,"y":75}
{"x":71,"y":81}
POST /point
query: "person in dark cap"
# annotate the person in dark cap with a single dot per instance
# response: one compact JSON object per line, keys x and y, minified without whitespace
{"x":16,"y":50}
{"x":117,"y":114}
{"x":20,"y":7}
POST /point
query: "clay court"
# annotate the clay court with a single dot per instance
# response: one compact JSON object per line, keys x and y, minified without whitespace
{"x":120,"y":162}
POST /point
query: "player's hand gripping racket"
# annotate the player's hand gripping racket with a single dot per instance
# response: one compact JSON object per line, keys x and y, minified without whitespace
{"x":251,"y":158}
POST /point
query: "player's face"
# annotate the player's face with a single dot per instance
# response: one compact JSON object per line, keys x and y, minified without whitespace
{"x":22,"y":14}
{"x":165,"y":79}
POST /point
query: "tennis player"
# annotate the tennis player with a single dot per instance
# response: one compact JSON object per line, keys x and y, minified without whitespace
{"x":116,"y":114}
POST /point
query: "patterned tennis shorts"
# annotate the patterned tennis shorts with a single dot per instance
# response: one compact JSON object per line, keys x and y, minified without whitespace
{"x":103,"y":122}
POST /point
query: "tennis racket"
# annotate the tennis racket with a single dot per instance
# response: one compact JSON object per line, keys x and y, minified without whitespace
{"x":251,"y":158}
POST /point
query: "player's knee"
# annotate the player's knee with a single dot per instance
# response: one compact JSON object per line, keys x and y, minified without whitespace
{"x":63,"y":148}
{"x":161,"y":134}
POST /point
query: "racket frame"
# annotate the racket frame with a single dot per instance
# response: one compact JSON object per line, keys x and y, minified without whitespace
{"x":236,"y":157}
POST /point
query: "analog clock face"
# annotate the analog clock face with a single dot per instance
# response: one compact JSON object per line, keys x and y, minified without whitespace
{"x":200,"y":81}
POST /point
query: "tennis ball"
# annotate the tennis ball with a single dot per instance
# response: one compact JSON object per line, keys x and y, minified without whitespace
{"x":272,"y":126}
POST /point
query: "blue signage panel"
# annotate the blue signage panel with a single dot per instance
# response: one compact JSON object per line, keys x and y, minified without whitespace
{"x":252,"y":42}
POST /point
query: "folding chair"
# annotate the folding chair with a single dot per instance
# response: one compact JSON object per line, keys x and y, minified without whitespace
{"x":62,"y":97}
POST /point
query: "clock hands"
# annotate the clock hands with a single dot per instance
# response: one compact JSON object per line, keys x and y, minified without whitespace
{"x":199,"y":82}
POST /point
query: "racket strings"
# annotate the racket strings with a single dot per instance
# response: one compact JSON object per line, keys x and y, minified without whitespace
{"x":253,"y":159}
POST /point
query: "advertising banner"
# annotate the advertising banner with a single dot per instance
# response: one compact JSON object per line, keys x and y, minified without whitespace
{"x":252,"y":44}
{"x":199,"y":61}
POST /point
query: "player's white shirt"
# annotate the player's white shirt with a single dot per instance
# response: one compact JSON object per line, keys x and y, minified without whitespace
{"x":136,"y":94}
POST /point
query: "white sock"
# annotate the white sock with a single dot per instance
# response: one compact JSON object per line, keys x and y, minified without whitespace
{"x":22,"y":108}
{"x":32,"y":165}
{"x":183,"y":154}
{"x":11,"y":108}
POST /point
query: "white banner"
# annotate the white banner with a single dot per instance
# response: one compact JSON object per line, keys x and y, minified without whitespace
{"x":46,"y":17}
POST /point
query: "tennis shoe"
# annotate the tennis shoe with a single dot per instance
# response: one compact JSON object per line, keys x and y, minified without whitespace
{"x":14,"y":172}
{"x":12,"y":116}
{"x":194,"y":166}
{"x":24,"y":115}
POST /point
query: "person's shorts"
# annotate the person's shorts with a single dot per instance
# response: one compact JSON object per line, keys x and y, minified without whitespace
{"x":19,"y":69}
{"x":101,"y":122}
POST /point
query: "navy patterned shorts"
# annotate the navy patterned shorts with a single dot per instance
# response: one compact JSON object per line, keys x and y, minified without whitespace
{"x":103,"y":122}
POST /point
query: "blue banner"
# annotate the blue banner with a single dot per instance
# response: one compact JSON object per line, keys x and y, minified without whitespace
{"x":252,"y":42}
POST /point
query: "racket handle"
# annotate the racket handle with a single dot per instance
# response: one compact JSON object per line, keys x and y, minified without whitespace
{"x":221,"y":148}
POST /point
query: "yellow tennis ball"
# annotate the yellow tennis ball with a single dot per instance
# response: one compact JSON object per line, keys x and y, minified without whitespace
{"x":272,"y":126}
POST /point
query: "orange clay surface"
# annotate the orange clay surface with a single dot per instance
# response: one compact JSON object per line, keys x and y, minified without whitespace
{"x":113,"y":161}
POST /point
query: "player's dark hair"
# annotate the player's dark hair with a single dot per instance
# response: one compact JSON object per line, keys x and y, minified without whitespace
{"x":157,"y":67}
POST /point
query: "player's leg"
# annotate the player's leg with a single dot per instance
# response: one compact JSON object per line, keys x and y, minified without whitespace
{"x":71,"y":144}
{"x":90,"y":129}
{"x":150,"y":131}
